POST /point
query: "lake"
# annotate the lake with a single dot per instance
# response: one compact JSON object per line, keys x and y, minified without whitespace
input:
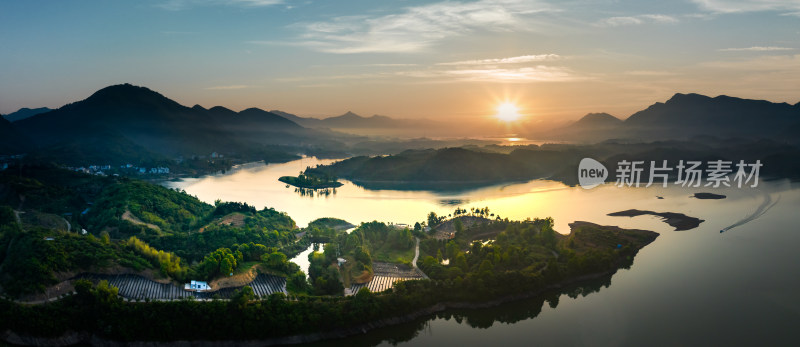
{"x":694,"y":287}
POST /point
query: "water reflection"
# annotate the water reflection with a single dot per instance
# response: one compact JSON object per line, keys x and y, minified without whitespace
{"x":681,"y":290}
{"x":508,"y":313}
{"x":258,"y":185}
{"x":314,"y":192}
{"x":301,"y":258}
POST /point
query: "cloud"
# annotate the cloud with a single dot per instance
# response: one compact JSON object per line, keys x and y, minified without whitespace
{"x":757,"y":49}
{"x":540,"y":73}
{"x":416,"y":28}
{"x":650,"y":73}
{"x":175,"y":5}
{"x":499,"y":70}
{"x":512,"y":60}
{"x":638,"y":20}
{"x":739,"y":6}
{"x":231,"y":87}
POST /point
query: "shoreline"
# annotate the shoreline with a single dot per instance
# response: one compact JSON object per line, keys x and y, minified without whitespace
{"x":70,"y":338}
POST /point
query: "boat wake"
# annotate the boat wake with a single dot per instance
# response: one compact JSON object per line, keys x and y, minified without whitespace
{"x":765,"y":206}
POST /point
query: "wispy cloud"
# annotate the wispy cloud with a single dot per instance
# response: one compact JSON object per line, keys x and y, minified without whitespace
{"x":500,"y":70}
{"x":757,"y":49}
{"x":231,"y":87}
{"x":738,"y":6}
{"x":511,"y":60}
{"x":638,"y":20}
{"x":182,"y":4}
{"x":540,"y":73}
{"x":419,"y":27}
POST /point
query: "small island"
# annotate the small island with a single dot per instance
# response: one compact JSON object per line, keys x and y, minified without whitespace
{"x":708,"y":196}
{"x":311,"y":181}
{"x":679,"y":221}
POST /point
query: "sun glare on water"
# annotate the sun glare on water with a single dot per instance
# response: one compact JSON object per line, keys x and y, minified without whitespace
{"x":507,"y":112}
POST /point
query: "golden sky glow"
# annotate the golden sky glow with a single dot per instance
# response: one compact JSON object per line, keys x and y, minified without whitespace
{"x":409,"y":59}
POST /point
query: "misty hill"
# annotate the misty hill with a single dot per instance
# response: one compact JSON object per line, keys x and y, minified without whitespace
{"x":25,"y":113}
{"x":603,"y":120}
{"x":458,"y":168}
{"x":447,"y":168}
{"x":686,"y":115}
{"x":125,"y":122}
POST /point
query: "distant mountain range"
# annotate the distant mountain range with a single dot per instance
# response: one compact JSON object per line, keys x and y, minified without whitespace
{"x":25,"y":113}
{"x":351,"y":120}
{"x":690,"y":115}
{"x":124,"y":123}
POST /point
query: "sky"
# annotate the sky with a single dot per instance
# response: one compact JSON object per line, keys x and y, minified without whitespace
{"x":405,"y":59}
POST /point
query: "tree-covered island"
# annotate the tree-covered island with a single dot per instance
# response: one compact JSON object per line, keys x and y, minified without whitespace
{"x":311,"y":181}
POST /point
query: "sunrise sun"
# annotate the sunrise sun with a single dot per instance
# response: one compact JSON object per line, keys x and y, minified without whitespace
{"x":507,"y":112}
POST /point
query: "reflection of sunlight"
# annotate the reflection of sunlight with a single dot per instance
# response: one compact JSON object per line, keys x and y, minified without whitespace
{"x":259,"y":186}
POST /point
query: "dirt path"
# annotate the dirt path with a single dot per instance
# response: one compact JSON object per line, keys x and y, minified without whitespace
{"x":128,"y":216}
{"x":416,"y":256}
{"x":237,"y":280}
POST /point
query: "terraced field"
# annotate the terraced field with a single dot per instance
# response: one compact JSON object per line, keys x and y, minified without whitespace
{"x":386,"y":275}
{"x":135,"y":287}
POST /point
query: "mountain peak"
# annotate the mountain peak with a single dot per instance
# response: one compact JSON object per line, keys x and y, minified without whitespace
{"x":126,"y":95}
{"x":690,"y":97}
{"x":350,"y":114}
{"x":24,"y":113}
{"x":598,"y":119}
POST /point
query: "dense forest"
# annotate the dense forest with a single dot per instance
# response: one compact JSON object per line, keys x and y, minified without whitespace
{"x":71,"y":223}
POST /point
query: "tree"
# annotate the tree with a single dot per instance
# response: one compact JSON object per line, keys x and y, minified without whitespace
{"x":275,"y":260}
{"x":433,"y":220}
{"x":242,"y":297}
{"x":458,"y":225}
{"x":297,"y":283}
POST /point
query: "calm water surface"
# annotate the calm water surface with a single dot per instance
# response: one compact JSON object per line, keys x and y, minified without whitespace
{"x":695,"y":287}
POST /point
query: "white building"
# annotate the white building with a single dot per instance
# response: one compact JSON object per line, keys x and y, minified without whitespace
{"x":197,"y":286}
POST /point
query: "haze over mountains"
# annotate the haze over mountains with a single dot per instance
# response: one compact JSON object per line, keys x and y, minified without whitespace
{"x":352,"y":121}
{"x":690,"y":115}
{"x":124,"y":123}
